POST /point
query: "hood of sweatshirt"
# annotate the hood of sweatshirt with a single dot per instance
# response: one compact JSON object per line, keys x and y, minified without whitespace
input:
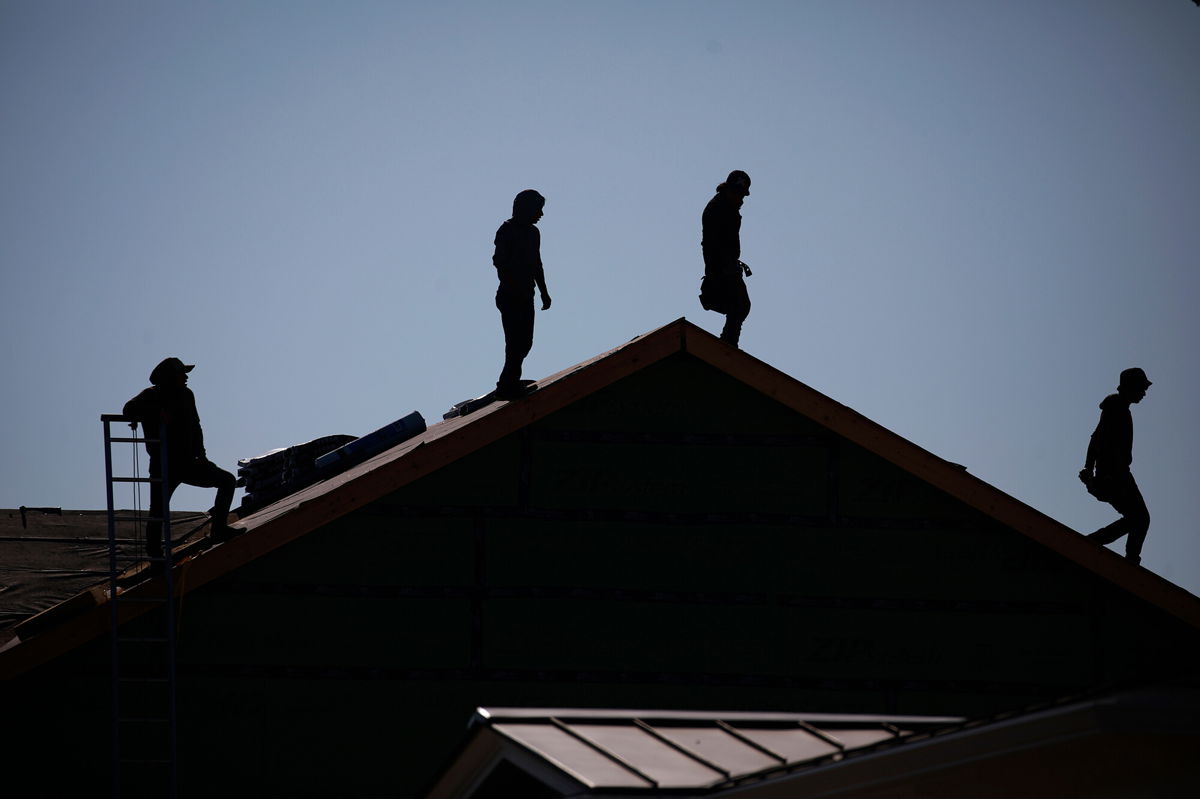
{"x":1113,"y":402}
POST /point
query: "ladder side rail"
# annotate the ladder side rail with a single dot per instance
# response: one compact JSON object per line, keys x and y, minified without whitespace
{"x":115,"y":670}
{"x":165,"y":487}
{"x":168,"y":608}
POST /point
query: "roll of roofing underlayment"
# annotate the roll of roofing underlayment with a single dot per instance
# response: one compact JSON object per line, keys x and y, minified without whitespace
{"x":372,"y":443}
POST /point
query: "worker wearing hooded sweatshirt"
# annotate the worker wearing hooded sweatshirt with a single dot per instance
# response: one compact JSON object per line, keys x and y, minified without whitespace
{"x":1106,"y":469}
{"x":518,"y":262}
{"x":169,"y":405}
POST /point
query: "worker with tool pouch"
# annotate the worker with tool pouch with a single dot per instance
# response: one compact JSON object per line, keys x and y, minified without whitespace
{"x":723,"y":288}
{"x":168,"y":404}
{"x":1106,"y":471}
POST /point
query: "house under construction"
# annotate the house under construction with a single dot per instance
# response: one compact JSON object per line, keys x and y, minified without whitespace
{"x":671,"y":570}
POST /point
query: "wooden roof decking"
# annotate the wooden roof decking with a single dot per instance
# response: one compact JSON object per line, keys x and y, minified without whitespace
{"x":448,"y":441}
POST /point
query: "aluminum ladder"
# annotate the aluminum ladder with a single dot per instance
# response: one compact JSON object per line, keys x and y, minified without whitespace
{"x":142,"y":635}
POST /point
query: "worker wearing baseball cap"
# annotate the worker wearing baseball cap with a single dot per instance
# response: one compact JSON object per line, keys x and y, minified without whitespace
{"x":1106,"y":471}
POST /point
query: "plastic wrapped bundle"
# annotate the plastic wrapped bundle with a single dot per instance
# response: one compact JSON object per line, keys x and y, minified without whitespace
{"x":279,"y":472}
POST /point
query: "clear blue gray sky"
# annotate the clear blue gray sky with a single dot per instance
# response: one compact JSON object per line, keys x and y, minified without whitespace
{"x":967,"y":216}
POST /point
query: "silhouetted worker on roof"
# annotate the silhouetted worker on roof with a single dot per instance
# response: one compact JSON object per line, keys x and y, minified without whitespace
{"x":518,"y":261}
{"x":724,"y":287}
{"x":1106,"y":470}
{"x":170,"y":403}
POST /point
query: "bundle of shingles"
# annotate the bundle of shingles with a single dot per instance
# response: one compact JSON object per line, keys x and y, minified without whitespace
{"x":275,"y":474}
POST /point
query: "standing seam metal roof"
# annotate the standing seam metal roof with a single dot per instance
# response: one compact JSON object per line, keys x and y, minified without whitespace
{"x":653,"y":750}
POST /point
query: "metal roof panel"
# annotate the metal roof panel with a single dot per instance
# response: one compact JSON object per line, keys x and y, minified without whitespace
{"x":582,"y":761}
{"x":724,"y":749}
{"x":667,"y":766}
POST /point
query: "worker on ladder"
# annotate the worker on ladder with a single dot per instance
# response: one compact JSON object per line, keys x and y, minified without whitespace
{"x":169,"y":403}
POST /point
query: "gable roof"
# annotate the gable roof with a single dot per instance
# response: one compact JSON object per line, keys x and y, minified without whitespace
{"x":446,"y":442}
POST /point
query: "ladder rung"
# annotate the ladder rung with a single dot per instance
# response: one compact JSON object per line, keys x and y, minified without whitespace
{"x":137,"y":518}
{"x":136,"y":480}
{"x":79,"y":539}
{"x":124,"y":440}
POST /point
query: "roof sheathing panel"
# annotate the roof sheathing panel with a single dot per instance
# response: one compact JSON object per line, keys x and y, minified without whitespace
{"x":323,"y":502}
{"x":448,"y":441}
{"x":944,"y":475}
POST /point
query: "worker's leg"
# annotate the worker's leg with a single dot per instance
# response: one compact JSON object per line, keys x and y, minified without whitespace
{"x":1132,"y":507}
{"x":1126,"y":499}
{"x":1111,"y":532}
{"x":154,"y":546}
{"x":206,"y":474}
{"x":516,"y":316}
{"x":738,"y":311}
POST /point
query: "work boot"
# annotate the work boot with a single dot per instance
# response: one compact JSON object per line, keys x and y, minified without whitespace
{"x":514,"y":392}
{"x":220,"y":533}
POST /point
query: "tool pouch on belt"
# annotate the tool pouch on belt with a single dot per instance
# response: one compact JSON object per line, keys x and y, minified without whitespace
{"x":714,"y":294}
{"x":718,"y":292}
{"x":1098,"y":486}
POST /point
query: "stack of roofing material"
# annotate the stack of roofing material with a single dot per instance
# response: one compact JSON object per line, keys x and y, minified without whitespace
{"x":275,"y":474}
{"x":371,"y":444}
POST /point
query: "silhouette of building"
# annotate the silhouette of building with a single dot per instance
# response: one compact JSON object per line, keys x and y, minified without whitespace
{"x":674,"y":526}
{"x":1129,"y":743}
